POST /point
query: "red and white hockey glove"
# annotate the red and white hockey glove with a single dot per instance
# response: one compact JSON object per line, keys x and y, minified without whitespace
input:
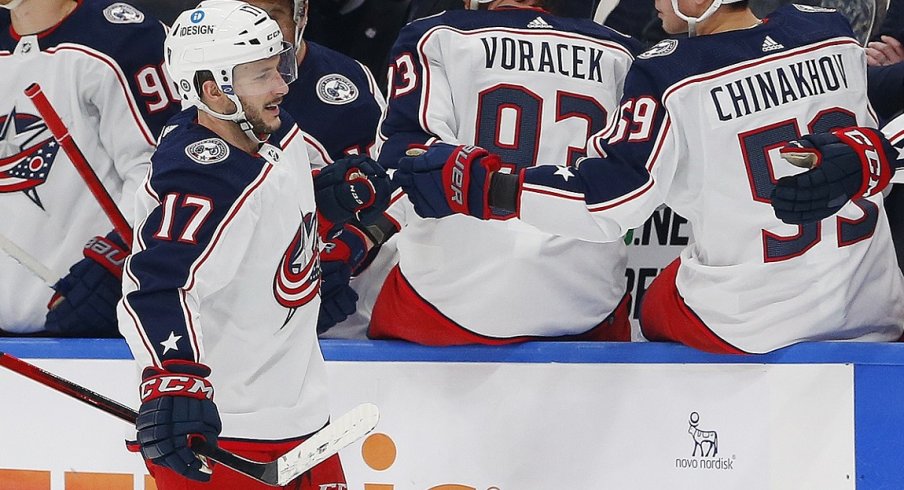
{"x":447,"y":179}
{"x":844,"y":165}
{"x":176,"y":405}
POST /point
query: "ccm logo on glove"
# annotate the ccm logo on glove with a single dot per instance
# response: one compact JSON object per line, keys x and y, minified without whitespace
{"x":874,"y":164}
{"x":167,"y":384}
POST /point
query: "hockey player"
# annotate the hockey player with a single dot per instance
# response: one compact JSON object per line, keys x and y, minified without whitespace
{"x":100,"y":65}
{"x":702,"y":121}
{"x":337,"y":106}
{"x":532,"y":87}
{"x":221,"y":289}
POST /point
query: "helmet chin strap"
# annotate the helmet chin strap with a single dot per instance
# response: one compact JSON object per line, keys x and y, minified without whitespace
{"x":238,"y":117}
{"x":693,"y":21}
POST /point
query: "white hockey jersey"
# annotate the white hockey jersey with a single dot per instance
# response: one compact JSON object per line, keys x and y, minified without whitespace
{"x":225,"y":271}
{"x":531,"y":87}
{"x":100,"y":68}
{"x":703,"y":119}
{"x":336,"y":103}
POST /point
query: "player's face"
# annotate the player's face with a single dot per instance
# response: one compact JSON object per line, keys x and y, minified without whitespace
{"x":261,"y":87}
{"x":281,"y":12}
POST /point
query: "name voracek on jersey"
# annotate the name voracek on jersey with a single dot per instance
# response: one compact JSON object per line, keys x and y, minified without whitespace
{"x":535,"y":55}
{"x":784,"y":84}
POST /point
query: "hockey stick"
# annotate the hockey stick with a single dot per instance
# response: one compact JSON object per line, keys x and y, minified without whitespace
{"x":61,"y":135}
{"x":326,"y":442}
{"x":27,"y":261}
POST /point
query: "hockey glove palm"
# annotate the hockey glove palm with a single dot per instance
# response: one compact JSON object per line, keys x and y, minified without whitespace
{"x":844,"y":165}
{"x":341,"y":258}
{"x":448,"y":179}
{"x":84,"y":304}
{"x":352,"y":187}
{"x":176,"y":404}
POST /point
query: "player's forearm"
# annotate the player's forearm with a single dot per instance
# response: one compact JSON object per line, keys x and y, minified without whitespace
{"x":559,"y":200}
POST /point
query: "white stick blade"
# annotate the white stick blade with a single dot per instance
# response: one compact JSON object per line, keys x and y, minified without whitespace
{"x":338,"y":434}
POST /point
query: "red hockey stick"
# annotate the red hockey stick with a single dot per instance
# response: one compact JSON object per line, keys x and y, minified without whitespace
{"x":326,"y":442}
{"x":61,"y":134}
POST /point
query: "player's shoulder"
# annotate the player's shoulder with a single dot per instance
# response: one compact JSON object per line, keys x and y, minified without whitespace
{"x":117,"y":29}
{"x":335,"y":78}
{"x":190,"y":155}
{"x":804,"y":24}
{"x":790,"y":28}
{"x":814,"y":16}
{"x":517,"y":18}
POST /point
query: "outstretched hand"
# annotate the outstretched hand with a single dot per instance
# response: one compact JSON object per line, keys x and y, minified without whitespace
{"x":447,"y":179}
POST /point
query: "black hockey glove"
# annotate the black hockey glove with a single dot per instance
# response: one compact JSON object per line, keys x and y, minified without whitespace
{"x":84,"y":304}
{"x":844,"y":165}
{"x":342,"y":257}
{"x":352,"y":187}
{"x":177,"y":404}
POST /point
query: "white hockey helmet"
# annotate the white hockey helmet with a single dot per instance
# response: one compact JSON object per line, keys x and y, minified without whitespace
{"x":693,"y":21}
{"x":216,"y":37}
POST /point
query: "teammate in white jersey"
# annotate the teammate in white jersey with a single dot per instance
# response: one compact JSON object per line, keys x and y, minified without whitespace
{"x":222,"y":287}
{"x":531,"y":87}
{"x":99,"y":64}
{"x":702,"y":121}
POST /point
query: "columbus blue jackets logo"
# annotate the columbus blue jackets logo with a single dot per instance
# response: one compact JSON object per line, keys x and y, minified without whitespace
{"x":336,"y":89}
{"x":123,"y":13}
{"x":27,"y":153}
{"x":297,"y":279}
{"x":211,"y":150}
{"x":663,"y":48}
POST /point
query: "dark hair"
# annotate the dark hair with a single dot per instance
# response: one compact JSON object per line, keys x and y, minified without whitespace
{"x":201,"y":77}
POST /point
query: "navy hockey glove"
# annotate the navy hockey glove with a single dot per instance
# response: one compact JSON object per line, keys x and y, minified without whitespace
{"x":84,"y":304}
{"x":342,"y":257}
{"x":352,"y":187}
{"x":845,"y":164}
{"x":337,"y":298}
{"x":177,"y":404}
{"x":448,"y":179}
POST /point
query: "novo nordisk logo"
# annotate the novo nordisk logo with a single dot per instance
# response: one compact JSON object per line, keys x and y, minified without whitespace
{"x":706,"y":449}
